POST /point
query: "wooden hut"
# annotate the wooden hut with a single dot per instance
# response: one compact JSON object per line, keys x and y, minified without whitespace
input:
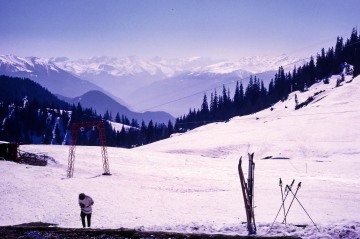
{"x":9,"y":151}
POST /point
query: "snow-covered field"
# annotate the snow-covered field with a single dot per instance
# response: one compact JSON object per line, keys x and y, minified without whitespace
{"x":190,"y":183}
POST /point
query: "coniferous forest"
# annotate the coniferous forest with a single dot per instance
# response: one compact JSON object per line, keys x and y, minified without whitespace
{"x":41,"y":118}
{"x":30,"y":114}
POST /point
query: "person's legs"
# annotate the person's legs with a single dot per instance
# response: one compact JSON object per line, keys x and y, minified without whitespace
{"x":83,"y":218}
{"x":89,"y":219}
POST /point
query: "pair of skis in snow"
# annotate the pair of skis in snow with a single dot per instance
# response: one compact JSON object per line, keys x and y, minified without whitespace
{"x":288,"y":189}
{"x":248,"y":193}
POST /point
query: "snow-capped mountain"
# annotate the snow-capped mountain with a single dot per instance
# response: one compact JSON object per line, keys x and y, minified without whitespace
{"x":152,"y":84}
{"x":122,"y":76}
{"x":255,"y":65}
{"x":46,"y":74}
{"x":157,"y":67}
{"x":160,"y":68}
{"x":159,"y":84}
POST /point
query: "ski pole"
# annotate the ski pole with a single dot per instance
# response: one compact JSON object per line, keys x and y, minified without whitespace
{"x":298,"y":187}
{"x":286,"y":194}
{"x":282,"y":198}
{"x":305,"y":210}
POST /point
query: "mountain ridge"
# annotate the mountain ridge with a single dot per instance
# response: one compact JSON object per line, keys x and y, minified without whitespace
{"x":101,"y":103}
{"x":132,"y":65}
{"x":45,"y":73}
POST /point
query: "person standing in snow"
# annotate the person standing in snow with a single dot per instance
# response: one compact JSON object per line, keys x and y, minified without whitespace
{"x":85,"y":203}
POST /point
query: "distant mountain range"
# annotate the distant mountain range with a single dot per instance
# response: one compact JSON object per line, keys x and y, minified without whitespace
{"x":101,"y":103}
{"x":171,"y":85}
{"x":160,"y":68}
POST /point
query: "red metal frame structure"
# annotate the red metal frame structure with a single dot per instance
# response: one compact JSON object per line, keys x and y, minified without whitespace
{"x":74,"y":131}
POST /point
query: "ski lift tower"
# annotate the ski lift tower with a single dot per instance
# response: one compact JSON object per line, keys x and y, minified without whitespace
{"x":74,"y":131}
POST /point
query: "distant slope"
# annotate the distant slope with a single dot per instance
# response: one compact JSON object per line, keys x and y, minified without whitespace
{"x":178,"y":94}
{"x":101,"y":102}
{"x":325,"y":126}
{"x":14,"y":89}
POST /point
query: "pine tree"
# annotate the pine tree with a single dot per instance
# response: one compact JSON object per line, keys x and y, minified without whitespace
{"x":205,"y":107}
{"x":134,"y":123}
{"x":170,"y":128}
{"x":107,"y":115}
{"x":122,"y":137}
{"x":150,"y":134}
{"x":356,"y":71}
{"x":339,"y":54}
{"x":117,"y":118}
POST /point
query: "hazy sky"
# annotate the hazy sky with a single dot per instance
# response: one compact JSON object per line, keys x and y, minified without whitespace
{"x":173,"y":28}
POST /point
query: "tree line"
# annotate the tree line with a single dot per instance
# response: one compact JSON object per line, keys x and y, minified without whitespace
{"x":255,"y":96}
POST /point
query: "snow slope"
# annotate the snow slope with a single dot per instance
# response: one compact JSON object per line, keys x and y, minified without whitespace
{"x":118,"y":126}
{"x":189,"y":183}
